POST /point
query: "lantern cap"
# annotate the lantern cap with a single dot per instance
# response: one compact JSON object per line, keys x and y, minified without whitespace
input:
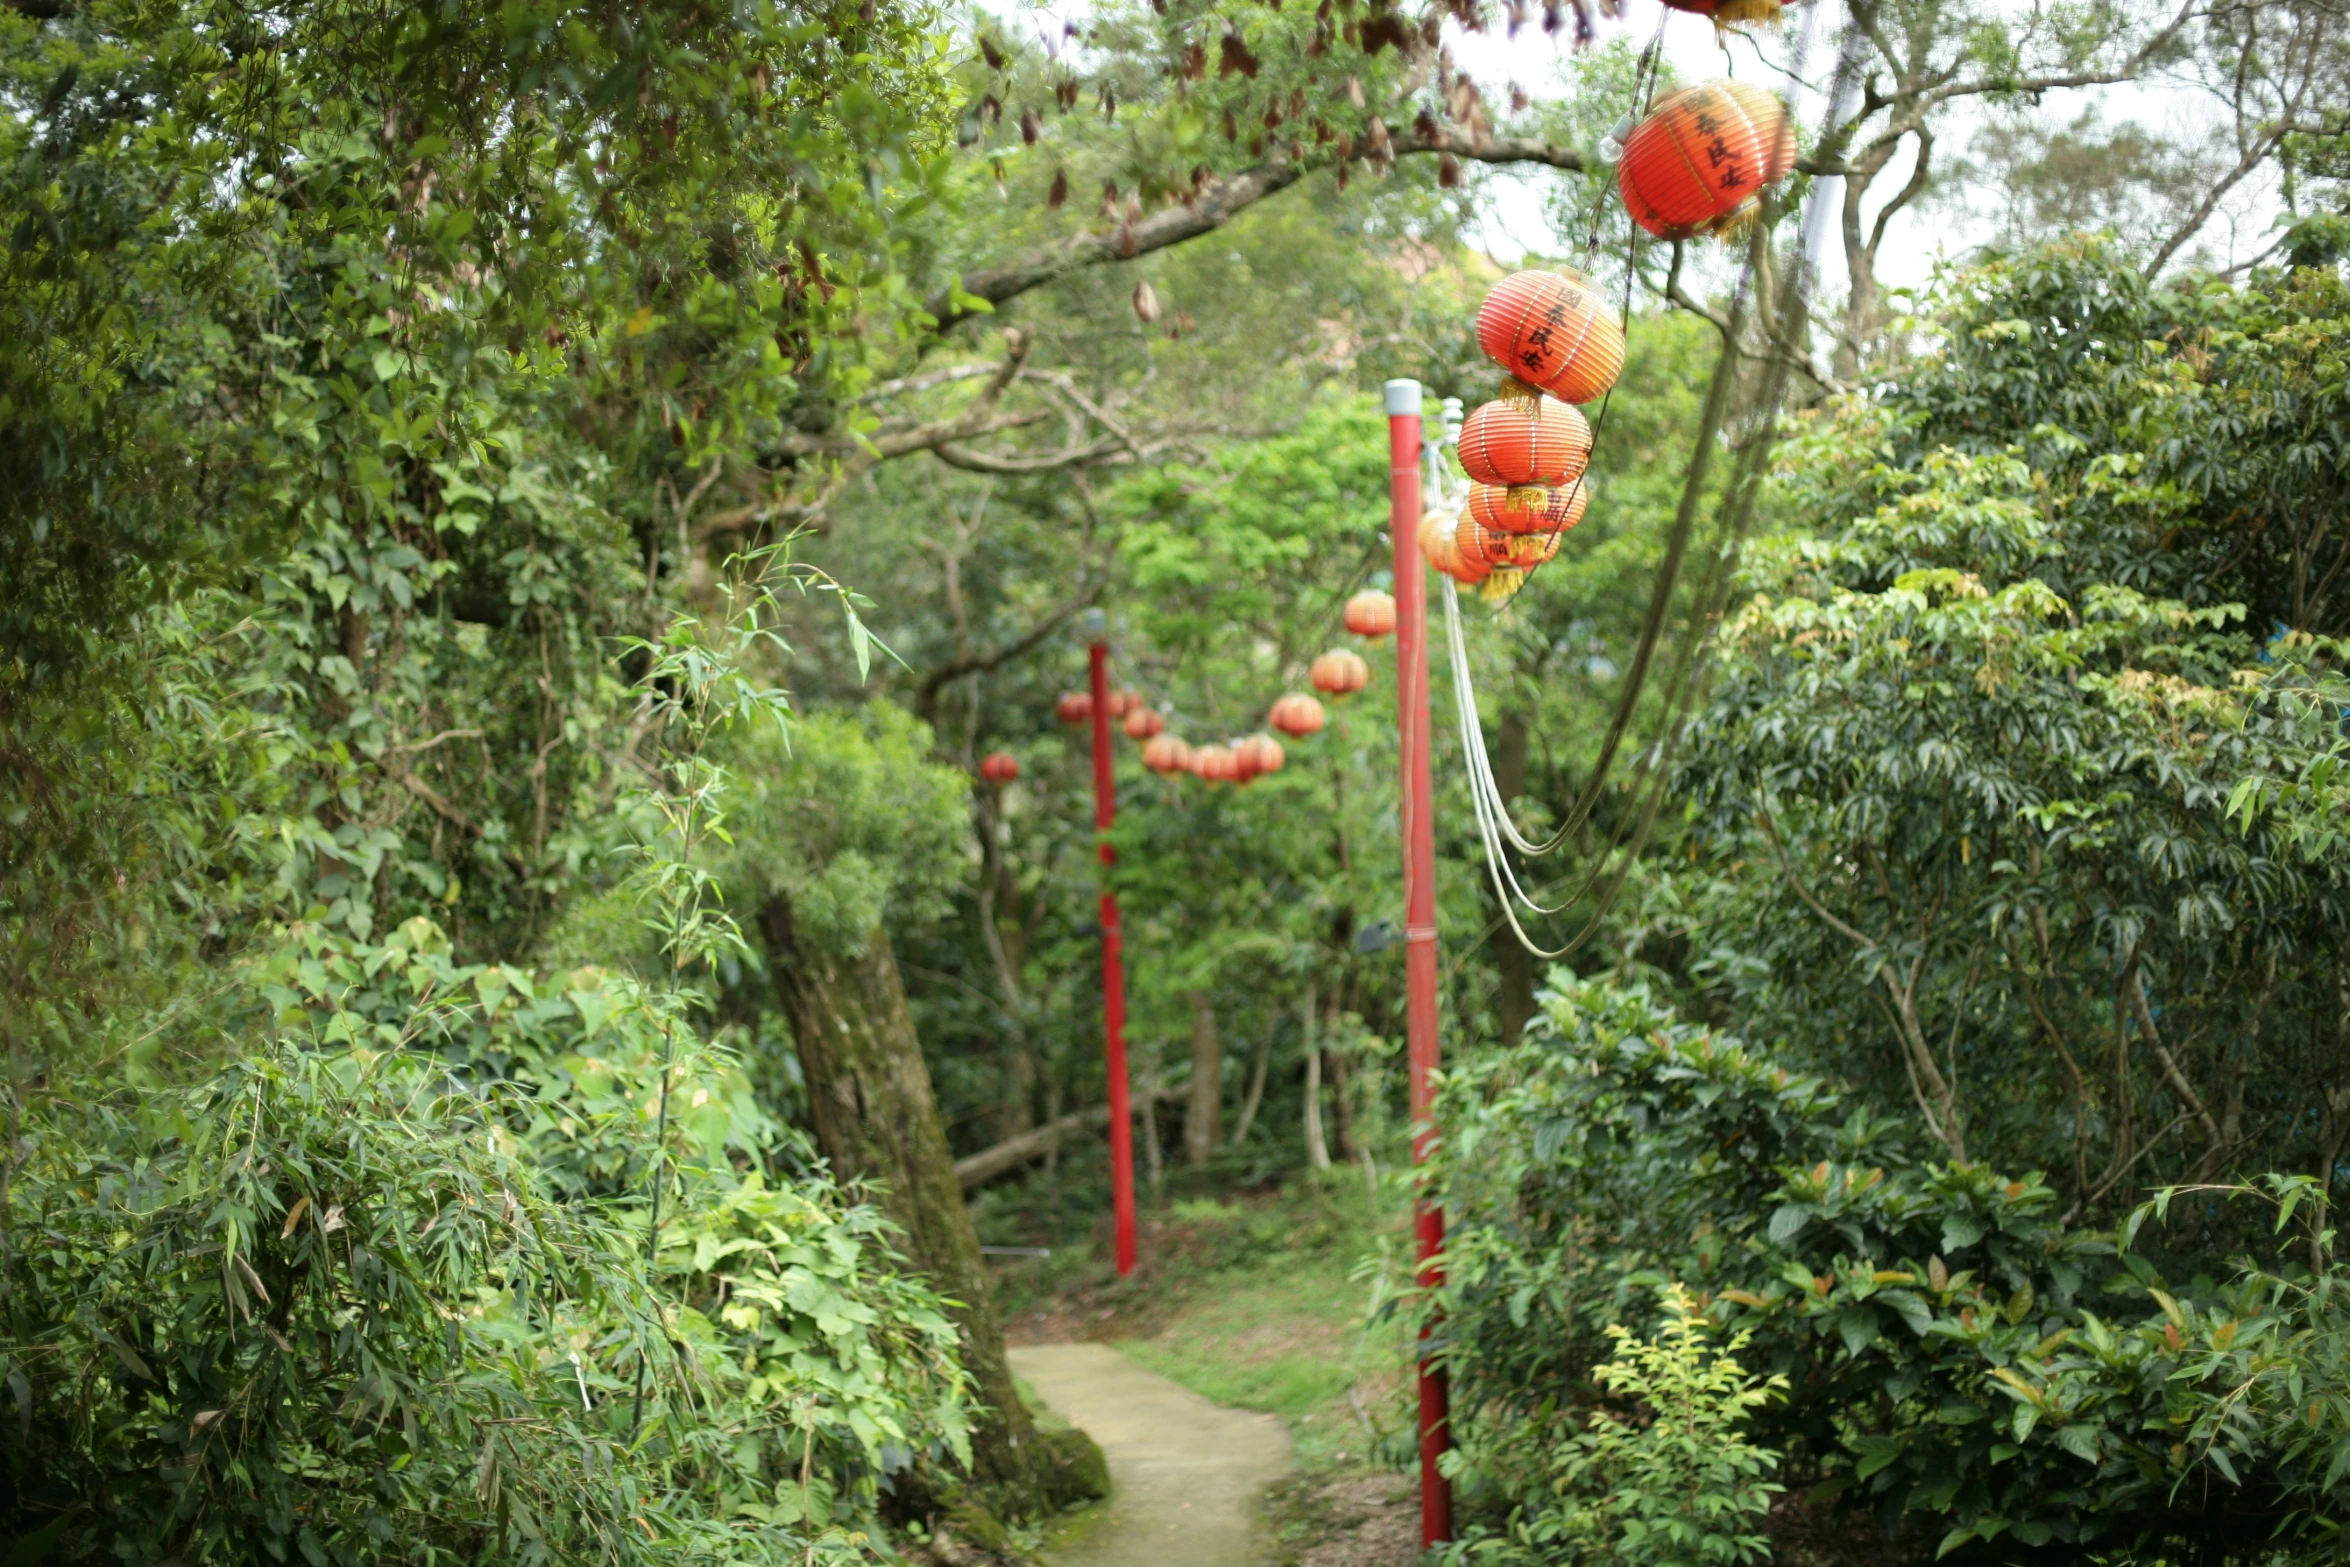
{"x":1403,"y":397}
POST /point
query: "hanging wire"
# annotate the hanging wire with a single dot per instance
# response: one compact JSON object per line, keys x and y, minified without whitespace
{"x":1496,"y":830}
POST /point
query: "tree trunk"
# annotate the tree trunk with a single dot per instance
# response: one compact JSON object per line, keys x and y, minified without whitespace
{"x":1512,"y":961}
{"x":1317,"y":1151}
{"x":1203,"y":1118}
{"x":1342,"y":1110}
{"x":877,"y":1121}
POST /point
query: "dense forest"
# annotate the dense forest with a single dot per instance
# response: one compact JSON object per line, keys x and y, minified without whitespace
{"x":520,"y":525}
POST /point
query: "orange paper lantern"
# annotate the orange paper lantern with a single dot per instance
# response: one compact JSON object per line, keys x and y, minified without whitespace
{"x":1215,"y":764}
{"x":1370,"y":613}
{"x":1438,"y":545}
{"x":1527,"y":510}
{"x":1167,"y":754}
{"x":1297,"y":714}
{"x":1729,"y":12}
{"x":1699,"y":162}
{"x":1500,"y":551}
{"x":1339,"y":673}
{"x":1142,"y":723}
{"x":1257,"y":756}
{"x":1074,"y":707}
{"x":1522,"y":441}
{"x":1552,"y":332}
{"x":999,"y":767}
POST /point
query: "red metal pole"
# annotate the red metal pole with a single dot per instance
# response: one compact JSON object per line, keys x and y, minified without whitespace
{"x":1419,"y":907}
{"x":1105,"y":812}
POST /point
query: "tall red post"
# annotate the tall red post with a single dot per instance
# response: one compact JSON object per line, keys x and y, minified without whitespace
{"x":1419,"y":908}
{"x":1105,"y":812}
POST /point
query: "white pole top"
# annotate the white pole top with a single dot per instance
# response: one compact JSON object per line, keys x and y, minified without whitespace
{"x":1403,"y":397}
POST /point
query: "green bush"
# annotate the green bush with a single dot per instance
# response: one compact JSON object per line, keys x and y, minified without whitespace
{"x":1965,"y":1374}
{"x":352,"y":1299}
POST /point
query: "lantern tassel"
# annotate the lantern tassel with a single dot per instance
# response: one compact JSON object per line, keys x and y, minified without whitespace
{"x":1501,"y":585}
{"x":1733,"y":12}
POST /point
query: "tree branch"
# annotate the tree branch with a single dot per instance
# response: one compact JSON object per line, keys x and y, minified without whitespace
{"x":1222,"y":201}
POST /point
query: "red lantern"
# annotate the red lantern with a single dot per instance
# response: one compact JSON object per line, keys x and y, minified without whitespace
{"x":1215,"y":764}
{"x":1142,"y":723}
{"x":1340,"y":673}
{"x":1296,"y":714}
{"x":1522,"y":441}
{"x":1074,"y":707}
{"x":1727,"y":13}
{"x":1552,"y":332}
{"x":1524,"y":510}
{"x":1370,"y":613}
{"x":1167,"y":754}
{"x":999,"y":767}
{"x":1123,"y":702}
{"x":1700,"y":161}
{"x":1438,"y":545}
{"x":1257,"y":756}
{"x":1499,"y":551}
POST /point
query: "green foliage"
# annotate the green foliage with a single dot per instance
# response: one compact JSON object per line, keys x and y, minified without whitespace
{"x":2009,"y":802}
{"x":846,"y":819}
{"x":338,"y":1300}
{"x":1672,"y":1482}
{"x":1975,"y":1376}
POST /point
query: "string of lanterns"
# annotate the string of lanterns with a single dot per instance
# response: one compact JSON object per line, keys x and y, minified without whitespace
{"x":1696,"y":164}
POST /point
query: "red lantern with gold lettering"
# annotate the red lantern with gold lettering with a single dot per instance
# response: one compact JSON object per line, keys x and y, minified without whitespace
{"x":1703,"y":157}
{"x":1370,"y":613}
{"x":1552,"y":332}
{"x":1525,"y":441}
{"x":1296,"y":714}
{"x":1339,"y":673}
{"x":1528,"y":510}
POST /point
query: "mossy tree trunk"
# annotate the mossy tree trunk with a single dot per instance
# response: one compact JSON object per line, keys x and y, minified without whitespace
{"x":876,"y":1120}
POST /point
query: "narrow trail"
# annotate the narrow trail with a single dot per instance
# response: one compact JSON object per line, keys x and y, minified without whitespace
{"x":1184,"y":1472}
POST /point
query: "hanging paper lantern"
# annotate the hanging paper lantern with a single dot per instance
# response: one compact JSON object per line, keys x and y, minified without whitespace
{"x":1370,"y":613}
{"x":1340,"y":673}
{"x":1727,"y":13}
{"x":1167,"y":754}
{"x":1214,"y":764}
{"x":1554,"y":333}
{"x":1701,"y":159}
{"x":1442,"y":552}
{"x":1074,"y":707}
{"x":1500,"y":551}
{"x":1296,"y":714}
{"x":1123,"y":702}
{"x":1525,"y":441}
{"x":1257,"y":756}
{"x":1142,"y":723}
{"x":1528,"y":510}
{"x":999,"y":767}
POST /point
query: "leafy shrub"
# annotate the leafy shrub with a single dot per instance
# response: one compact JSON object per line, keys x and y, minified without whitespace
{"x":352,"y":1300}
{"x":1672,"y":1482}
{"x":1978,"y":1379}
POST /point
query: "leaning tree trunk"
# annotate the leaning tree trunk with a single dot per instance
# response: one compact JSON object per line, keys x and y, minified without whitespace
{"x":877,"y":1121}
{"x":1203,"y":1117}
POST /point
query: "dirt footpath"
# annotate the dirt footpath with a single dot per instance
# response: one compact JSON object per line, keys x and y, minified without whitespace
{"x":1185,"y":1473}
